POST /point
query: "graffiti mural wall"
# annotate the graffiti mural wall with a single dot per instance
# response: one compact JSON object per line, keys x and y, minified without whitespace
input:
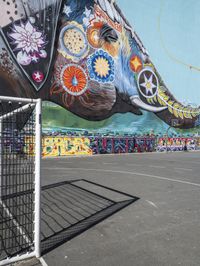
{"x":59,"y":146}
{"x":67,"y":146}
{"x":85,"y":57}
{"x":178,"y":144}
{"x":64,"y":146}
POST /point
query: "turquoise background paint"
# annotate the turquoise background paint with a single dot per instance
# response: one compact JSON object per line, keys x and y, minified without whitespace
{"x":180,"y":31}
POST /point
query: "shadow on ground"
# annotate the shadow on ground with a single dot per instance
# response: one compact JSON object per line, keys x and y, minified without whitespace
{"x":67,"y":209}
{"x":70,"y":208}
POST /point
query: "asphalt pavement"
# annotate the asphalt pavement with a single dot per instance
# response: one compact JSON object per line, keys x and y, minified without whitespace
{"x":161,"y":228}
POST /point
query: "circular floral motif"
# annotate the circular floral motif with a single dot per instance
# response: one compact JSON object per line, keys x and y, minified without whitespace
{"x":101,"y":67}
{"x":73,"y":41}
{"x":73,"y":79}
{"x":147,"y":83}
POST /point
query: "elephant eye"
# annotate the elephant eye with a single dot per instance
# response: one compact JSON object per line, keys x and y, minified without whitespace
{"x":108,"y":34}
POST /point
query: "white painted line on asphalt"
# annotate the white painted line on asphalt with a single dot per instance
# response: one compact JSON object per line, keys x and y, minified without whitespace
{"x":157,"y":166}
{"x":151,"y":203}
{"x":180,"y":162}
{"x":133,"y":164}
{"x":88,"y":162}
{"x":23,"y":234}
{"x":183,"y":169}
{"x":129,"y":173}
{"x":109,"y":163}
{"x":64,"y":162}
{"x":43,"y":262}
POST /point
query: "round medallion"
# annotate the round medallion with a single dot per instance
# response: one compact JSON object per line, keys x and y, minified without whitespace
{"x":38,"y":76}
{"x":73,"y":79}
{"x":101,"y":67}
{"x":147,"y":83}
{"x":73,"y":41}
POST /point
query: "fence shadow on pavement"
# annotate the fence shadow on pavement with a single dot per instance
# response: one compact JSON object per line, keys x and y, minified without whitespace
{"x":69,"y":208}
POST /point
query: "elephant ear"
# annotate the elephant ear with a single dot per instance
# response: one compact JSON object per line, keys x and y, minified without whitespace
{"x":28,"y":29}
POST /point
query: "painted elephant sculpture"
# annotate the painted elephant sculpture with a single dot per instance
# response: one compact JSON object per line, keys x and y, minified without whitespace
{"x":84,"y":56}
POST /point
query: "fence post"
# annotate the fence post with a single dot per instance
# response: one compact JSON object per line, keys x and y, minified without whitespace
{"x":37,"y":179}
{"x":1,"y":150}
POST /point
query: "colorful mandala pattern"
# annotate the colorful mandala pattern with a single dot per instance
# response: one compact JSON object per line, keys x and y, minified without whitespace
{"x":73,"y":41}
{"x":73,"y":79}
{"x":101,"y":67}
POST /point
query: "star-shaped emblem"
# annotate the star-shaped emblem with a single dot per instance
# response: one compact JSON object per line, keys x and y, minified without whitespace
{"x":67,"y":10}
{"x":38,"y":76}
{"x":147,"y":83}
{"x":35,"y":58}
{"x":87,"y":12}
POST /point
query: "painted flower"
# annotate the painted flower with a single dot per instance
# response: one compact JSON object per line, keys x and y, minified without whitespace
{"x":23,"y":58}
{"x":27,"y":38}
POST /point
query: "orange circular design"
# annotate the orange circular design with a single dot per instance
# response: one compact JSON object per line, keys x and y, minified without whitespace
{"x":93,"y":37}
{"x":93,"y":34}
{"x":136,"y":63}
{"x":74,"y":79}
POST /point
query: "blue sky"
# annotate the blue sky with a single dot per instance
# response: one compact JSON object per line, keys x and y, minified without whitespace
{"x":180,"y":32}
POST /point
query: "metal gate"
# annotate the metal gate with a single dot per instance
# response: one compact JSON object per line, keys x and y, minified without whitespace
{"x":20,"y":153}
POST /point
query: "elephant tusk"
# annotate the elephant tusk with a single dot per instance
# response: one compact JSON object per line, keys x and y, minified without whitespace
{"x":138,"y":102}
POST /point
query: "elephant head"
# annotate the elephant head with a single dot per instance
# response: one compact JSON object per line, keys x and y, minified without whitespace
{"x":85,"y":56}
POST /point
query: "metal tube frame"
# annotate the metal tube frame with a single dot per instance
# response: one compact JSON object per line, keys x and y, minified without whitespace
{"x":1,"y":124}
{"x":17,"y":258}
{"x":37,"y":178}
{"x":22,"y":108}
{"x":16,"y":99}
{"x":37,"y":221}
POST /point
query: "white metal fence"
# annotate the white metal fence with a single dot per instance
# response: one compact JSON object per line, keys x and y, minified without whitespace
{"x":20,"y":153}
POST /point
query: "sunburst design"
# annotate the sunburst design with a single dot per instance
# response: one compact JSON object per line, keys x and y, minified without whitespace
{"x":101,"y":67}
{"x":73,"y":79}
{"x":71,"y":86}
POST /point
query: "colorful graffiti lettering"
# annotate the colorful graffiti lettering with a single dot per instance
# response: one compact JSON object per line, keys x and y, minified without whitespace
{"x":177,"y":144}
{"x":65,"y":146}
{"x":60,"y":146}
